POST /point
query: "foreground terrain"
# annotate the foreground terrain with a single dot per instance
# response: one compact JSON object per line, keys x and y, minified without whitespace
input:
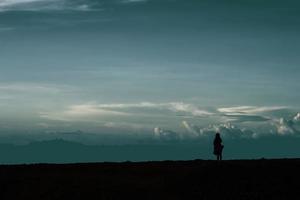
{"x":198,"y":179}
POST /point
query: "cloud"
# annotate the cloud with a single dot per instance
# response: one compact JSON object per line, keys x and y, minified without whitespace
{"x":191,"y":128}
{"x":20,"y":4}
{"x":83,"y":7}
{"x":82,"y":112}
{"x":6,"y":29}
{"x":232,"y":131}
{"x":245,"y":118}
{"x":86,"y":110}
{"x":143,"y":115}
{"x":297,"y":117}
{"x":286,"y":127}
{"x":228,"y":130}
{"x":165,"y":135}
{"x":31,"y":87}
{"x":38,"y":5}
{"x":246,"y":110}
{"x":283,"y":126}
{"x":134,"y":1}
{"x":120,"y":116}
{"x":254,"y":114}
{"x":136,"y":105}
{"x":188,"y":108}
{"x":122,"y":125}
{"x":176,"y":107}
{"x":4,"y":3}
{"x":43,"y":125}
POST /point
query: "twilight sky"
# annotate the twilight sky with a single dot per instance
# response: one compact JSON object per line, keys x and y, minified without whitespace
{"x":132,"y":70}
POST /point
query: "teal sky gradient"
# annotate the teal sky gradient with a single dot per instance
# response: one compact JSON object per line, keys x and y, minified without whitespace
{"x":164,"y":70}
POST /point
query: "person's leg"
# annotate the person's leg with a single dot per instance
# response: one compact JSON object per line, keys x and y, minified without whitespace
{"x":220,"y":156}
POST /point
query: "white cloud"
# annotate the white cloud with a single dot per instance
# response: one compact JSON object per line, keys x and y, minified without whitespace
{"x":227,"y":129}
{"x":297,"y":117}
{"x":173,"y":106}
{"x":5,"y":3}
{"x":244,"y":118}
{"x":137,"y":105}
{"x":140,"y":115}
{"x":165,"y":135}
{"x":83,"y":7}
{"x":37,"y":5}
{"x":31,"y":87}
{"x":233,"y":131}
{"x":82,"y":112}
{"x":189,"y":108}
{"x":191,"y":128}
{"x":242,"y":110}
{"x":87,"y":110}
{"x":95,"y":112}
{"x":123,"y":125}
{"x":285,"y":127}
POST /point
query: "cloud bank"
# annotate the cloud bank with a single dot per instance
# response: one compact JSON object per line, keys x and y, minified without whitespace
{"x":228,"y":130}
{"x":233,"y":122}
{"x":83,"y":111}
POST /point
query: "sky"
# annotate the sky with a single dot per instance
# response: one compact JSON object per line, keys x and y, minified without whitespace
{"x":126,"y":71}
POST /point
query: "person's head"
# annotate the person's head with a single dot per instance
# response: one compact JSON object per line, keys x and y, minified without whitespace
{"x":218,"y":135}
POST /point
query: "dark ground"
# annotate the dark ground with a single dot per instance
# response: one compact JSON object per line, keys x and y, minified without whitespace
{"x":199,"y":179}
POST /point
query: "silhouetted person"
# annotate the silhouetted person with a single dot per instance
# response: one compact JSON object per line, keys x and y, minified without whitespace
{"x":218,"y":146}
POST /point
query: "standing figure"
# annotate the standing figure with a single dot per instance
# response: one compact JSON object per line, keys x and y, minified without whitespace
{"x":218,"y":146}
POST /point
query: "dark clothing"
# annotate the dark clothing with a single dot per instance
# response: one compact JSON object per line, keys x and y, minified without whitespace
{"x":218,"y":147}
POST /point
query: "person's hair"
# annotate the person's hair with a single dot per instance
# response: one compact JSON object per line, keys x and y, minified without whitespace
{"x":217,"y":134}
